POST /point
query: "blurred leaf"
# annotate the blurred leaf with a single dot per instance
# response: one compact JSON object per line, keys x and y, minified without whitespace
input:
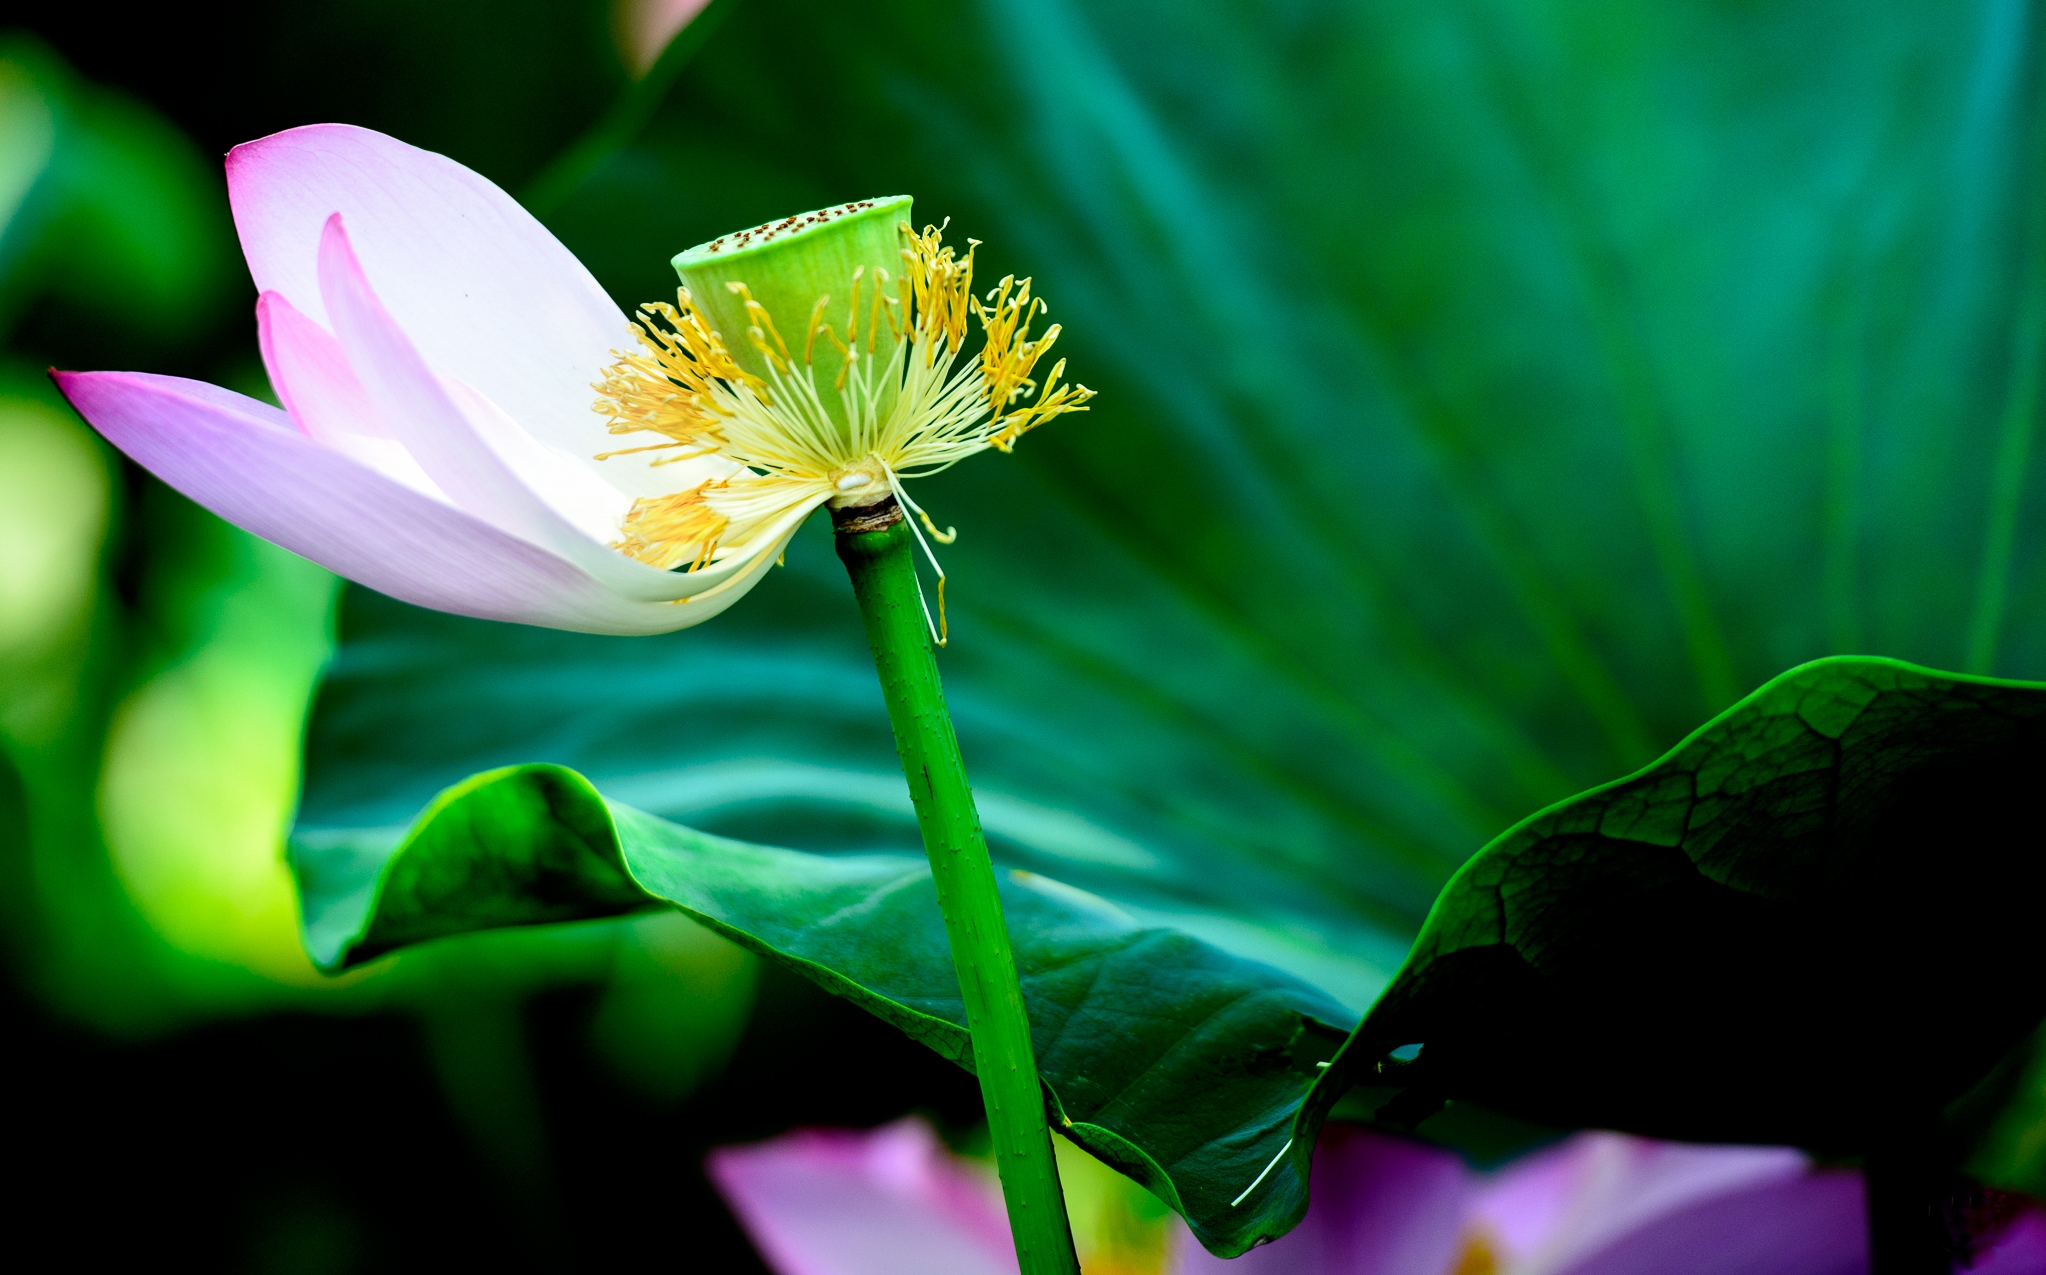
{"x":56,"y":494}
{"x":1168,"y":1059}
{"x":105,"y":208}
{"x":501,"y":85}
{"x":1998,"y":1130}
{"x":1118,"y":1227}
{"x":196,"y":792}
{"x":28,"y":133}
{"x":657,"y":38}
{"x":677,"y":999}
{"x":114,"y":230}
{"x":1814,"y":922}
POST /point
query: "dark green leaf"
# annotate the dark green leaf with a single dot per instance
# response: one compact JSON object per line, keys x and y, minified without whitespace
{"x":1171,"y":1060}
{"x":1490,"y":391}
{"x":1814,"y":922}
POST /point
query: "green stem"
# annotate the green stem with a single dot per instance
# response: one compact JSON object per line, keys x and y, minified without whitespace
{"x":875,"y":545}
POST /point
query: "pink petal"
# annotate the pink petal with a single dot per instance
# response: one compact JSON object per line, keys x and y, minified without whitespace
{"x":2019,"y":1250}
{"x":891,"y":1201}
{"x":1608,"y":1204}
{"x":1575,"y":1198}
{"x":311,"y":375}
{"x":244,"y":461}
{"x":484,"y":461}
{"x":487,"y":295}
{"x":1379,"y":1204}
{"x":648,"y":25}
{"x":1812,"y":1223}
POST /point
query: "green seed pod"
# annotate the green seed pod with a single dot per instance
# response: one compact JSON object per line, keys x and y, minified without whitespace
{"x":786,"y":266}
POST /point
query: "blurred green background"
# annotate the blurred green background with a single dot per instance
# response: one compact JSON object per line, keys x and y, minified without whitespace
{"x":1491,"y":391}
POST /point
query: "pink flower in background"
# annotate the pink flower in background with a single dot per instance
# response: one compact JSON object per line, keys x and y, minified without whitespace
{"x":644,"y":27}
{"x":894,"y":1202}
{"x":1595,"y":1204}
{"x":434,"y":348}
{"x":838,"y":1202}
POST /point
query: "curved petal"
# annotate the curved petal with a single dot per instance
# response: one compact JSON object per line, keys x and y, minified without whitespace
{"x":888,"y":1202}
{"x":243,"y":460}
{"x":1812,"y":1223}
{"x":312,"y":378}
{"x":481,"y":287}
{"x":456,"y":435}
{"x":1559,"y":1206}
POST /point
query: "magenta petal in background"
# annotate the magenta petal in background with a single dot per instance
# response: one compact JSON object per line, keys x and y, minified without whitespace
{"x":1813,"y":1224}
{"x":2019,"y":1250}
{"x":1596,"y":1204}
{"x":892,"y":1201}
{"x":1381,"y":1204}
{"x":1607,"y":1204}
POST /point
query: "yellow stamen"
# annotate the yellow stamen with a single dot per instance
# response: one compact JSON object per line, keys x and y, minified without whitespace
{"x":816,"y":313}
{"x":906,"y":404}
{"x":672,"y":531}
{"x":763,"y":328}
{"x":669,"y":389}
{"x":852,"y":308}
{"x":1477,"y":1256}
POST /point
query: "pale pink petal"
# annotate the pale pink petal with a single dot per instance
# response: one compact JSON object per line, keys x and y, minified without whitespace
{"x":891,"y":1201}
{"x":524,"y":489}
{"x":646,"y":26}
{"x":1811,"y":1223}
{"x":1553,"y":1208}
{"x":245,"y":461}
{"x":487,"y":295}
{"x":312,"y":377}
{"x":1377,"y":1204}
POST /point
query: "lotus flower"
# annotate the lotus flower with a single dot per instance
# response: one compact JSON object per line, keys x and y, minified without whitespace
{"x":439,"y":355}
{"x":894,"y":1202}
{"x":433,"y":346}
{"x":838,"y":1202}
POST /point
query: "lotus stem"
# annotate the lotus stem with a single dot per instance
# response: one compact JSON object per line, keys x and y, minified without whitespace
{"x":875,"y":544}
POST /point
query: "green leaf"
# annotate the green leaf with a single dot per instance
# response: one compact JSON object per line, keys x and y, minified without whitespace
{"x":1490,"y":391}
{"x":1813,"y":922}
{"x":1172,"y":1061}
